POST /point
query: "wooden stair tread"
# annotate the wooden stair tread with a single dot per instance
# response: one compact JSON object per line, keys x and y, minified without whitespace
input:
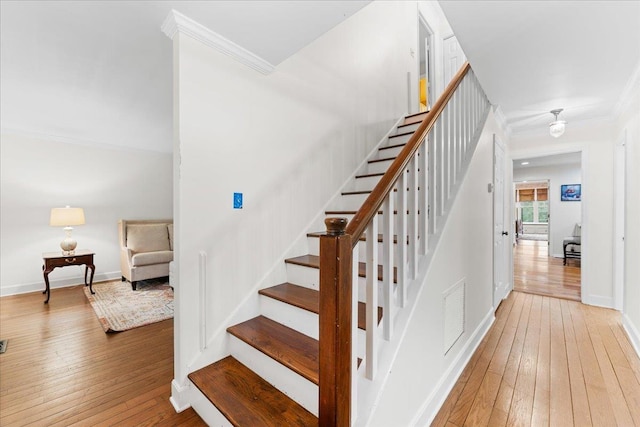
{"x":246,"y":399}
{"x":389,"y":147}
{"x":287,"y":346}
{"x":313,"y":261}
{"x":309,"y":299}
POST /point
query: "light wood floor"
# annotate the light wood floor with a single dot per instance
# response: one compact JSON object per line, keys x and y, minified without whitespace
{"x":548,"y":362}
{"x":534,"y":271}
{"x":61,"y":369}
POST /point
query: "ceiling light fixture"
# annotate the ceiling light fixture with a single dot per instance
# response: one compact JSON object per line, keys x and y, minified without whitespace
{"x":524,"y":163}
{"x":556,"y":127}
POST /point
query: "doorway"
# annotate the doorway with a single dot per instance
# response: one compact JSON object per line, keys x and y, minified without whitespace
{"x":425,"y":65}
{"x":544,"y":221}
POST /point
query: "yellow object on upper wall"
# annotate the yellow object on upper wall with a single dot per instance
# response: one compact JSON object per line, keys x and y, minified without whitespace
{"x":423,"y":94}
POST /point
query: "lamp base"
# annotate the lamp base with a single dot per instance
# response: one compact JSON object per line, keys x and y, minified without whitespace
{"x":68,"y":245}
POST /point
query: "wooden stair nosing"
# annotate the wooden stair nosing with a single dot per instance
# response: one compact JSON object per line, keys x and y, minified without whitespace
{"x":287,"y":346}
{"x":386,"y":159}
{"x":313,"y":261}
{"x":389,"y":147}
{"x":246,"y":399}
{"x":369,"y":175}
{"x":363,"y":238}
{"x":405,"y":133}
{"x":416,"y":114}
{"x":345,"y":212}
{"x":309,"y":299}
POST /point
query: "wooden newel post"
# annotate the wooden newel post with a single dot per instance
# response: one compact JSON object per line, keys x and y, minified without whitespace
{"x":335,"y":325}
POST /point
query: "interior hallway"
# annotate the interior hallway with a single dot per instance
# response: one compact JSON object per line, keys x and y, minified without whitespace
{"x":537,"y":273}
{"x":548,"y":361}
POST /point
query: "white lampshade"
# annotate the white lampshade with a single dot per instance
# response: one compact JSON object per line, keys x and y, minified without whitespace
{"x":556,"y":128}
{"x":66,"y":217}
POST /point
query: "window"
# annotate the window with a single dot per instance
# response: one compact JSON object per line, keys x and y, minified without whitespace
{"x":533,"y":204}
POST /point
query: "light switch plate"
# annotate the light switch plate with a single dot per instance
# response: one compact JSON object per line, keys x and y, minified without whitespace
{"x":237,"y":200}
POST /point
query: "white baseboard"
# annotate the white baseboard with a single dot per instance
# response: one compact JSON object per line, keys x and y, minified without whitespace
{"x":632,"y":333}
{"x":56,"y":283}
{"x":179,"y":398}
{"x":434,"y":402}
{"x":606,"y":302}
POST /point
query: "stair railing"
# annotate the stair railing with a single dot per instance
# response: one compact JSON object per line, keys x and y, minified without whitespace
{"x":424,"y":182}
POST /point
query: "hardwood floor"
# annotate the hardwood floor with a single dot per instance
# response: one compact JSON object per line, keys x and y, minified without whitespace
{"x":548,"y":362}
{"x":61,"y":369}
{"x":534,"y":271}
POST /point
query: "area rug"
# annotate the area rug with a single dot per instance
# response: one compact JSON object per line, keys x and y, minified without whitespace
{"x":120,"y":308}
{"x":538,"y":237}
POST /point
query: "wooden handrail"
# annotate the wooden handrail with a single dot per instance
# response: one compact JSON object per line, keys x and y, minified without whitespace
{"x":362,"y":218}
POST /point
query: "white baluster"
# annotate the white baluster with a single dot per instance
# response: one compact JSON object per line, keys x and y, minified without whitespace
{"x":388,"y":308}
{"x":413,"y":218}
{"x":372,"y":299}
{"x":401,"y":234}
{"x":431,"y":211}
{"x":355,"y":274}
{"x":445,"y":153}
{"x":439,"y":166}
{"x":423,"y":202}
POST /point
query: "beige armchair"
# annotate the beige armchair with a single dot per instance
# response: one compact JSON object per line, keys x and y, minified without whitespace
{"x":146,"y":249}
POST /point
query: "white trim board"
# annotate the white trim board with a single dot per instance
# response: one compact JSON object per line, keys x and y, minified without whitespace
{"x":632,"y":333}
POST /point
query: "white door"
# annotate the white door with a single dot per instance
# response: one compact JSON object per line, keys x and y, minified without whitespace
{"x":453,"y":58}
{"x":500,"y":233}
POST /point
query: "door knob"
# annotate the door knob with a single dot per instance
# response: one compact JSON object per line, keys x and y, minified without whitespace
{"x":505,"y":233}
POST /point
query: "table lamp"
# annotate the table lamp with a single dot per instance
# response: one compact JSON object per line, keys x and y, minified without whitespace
{"x":66,"y":217}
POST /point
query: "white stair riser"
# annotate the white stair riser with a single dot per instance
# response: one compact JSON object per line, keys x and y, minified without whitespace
{"x":389,"y":152}
{"x":205,"y":409}
{"x":303,"y":391}
{"x":314,"y":249}
{"x":377,"y":167}
{"x":402,"y":139}
{"x":307,"y":276}
{"x":296,"y":318}
{"x":409,"y":128}
{"x":365,"y":183}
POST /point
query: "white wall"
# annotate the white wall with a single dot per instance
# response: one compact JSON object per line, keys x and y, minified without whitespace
{"x":287,"y":140}
{"x":422,"y":374}
{"x":564,"y":215}
{"x":109,"y":183}
{"x":596,"y":140}
{"x":628,"y":124}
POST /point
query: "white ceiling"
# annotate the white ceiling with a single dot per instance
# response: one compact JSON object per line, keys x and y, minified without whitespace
{"x":535,"y":56}
{"x":551,"y":160}
{"x":100,"y":71}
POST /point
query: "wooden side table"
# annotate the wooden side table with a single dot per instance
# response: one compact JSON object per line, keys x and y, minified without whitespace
{"x":58,"y":259}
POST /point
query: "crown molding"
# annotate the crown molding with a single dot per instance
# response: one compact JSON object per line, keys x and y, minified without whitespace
{"x":177,"y":22}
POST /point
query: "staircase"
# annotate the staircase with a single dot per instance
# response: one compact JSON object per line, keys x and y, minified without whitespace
{"x":287,"y":330}
{"x":279,"y":371}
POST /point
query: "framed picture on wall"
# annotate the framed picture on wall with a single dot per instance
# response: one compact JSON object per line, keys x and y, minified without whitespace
{"x":571,"y":193}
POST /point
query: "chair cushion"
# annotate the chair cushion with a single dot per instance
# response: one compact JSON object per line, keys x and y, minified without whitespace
{"x":148,"y":237}
{"x":148,"y":258}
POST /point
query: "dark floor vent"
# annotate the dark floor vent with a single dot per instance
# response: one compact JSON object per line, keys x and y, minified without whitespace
{"x":3,"y":346}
